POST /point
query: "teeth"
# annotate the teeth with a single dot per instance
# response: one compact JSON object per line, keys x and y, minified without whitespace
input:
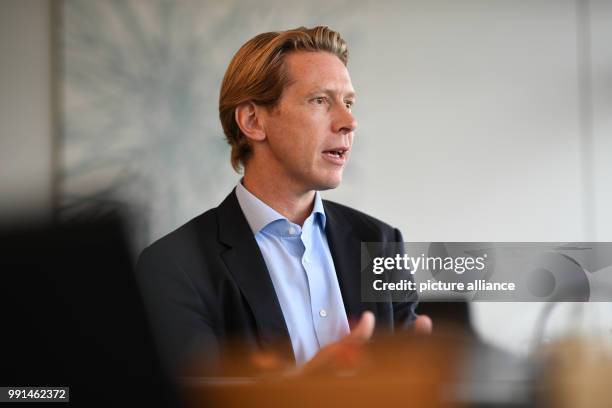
{"x":336,"y":153}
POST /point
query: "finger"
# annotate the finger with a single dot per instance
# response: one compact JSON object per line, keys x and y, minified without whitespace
{"x":266,"y":361}
{"x":423,"y":324}
{"x":364,"y":329}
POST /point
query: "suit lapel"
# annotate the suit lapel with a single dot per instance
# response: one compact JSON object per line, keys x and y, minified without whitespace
{"x":345,"y":249}
{"x":246,"y":264}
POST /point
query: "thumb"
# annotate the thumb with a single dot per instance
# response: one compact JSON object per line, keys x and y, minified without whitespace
{"x":364,"y":328}
{"x":423,"y":325}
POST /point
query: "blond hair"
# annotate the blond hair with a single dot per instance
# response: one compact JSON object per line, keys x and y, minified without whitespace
{"x":258,"y":73}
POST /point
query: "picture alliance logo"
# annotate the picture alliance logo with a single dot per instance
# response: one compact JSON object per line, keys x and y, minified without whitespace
{"x":487,"y":271}
{"x":412,"y":264}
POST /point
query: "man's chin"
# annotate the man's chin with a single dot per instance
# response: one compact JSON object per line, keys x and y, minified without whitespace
{"x":329,"y":184}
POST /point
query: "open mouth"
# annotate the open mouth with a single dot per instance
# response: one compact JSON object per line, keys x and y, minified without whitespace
{"x":340,"y":153}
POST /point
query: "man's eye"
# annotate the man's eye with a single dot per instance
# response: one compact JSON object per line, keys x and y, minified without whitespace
{"x":320,"y":100}
{"x":349,"y":104}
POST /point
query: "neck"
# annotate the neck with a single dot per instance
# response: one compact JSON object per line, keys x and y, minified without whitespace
{"x":280,"y":194}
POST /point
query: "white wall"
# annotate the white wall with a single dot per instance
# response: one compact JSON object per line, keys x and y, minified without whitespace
{"x":25,"y":110}
{"x":469,"y":121}
{"x":601,"y":146}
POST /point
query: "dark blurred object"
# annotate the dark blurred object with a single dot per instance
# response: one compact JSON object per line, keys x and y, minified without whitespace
{"x":72,"y":316}
{"x":489,"y":377}
{"x":448,"y":314}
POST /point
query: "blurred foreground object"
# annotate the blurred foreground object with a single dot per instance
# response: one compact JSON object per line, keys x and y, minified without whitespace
{"x":446,"y":369}
{"x":72,"y":315}
{"x":578,"y":372}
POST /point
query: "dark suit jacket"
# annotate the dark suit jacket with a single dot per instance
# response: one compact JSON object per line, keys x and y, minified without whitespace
{"x":207,"y":283}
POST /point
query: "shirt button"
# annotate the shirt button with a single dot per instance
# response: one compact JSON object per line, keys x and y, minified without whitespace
{"x":323,"y":313}
{"x":291,"y":231}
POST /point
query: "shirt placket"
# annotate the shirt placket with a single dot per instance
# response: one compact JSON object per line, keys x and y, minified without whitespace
{"x":319,"y":290}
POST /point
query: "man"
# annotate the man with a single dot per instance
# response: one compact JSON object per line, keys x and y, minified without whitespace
{"x":274,"y":262}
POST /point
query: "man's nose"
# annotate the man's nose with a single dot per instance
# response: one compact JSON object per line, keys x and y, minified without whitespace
{"x":344,"y":122}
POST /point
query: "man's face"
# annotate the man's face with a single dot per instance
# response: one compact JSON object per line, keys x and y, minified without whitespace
{"x":310,"y":131}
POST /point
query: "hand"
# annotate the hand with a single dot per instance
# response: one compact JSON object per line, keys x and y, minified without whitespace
{"x":348,"y":353}
{"x":343,"y":354}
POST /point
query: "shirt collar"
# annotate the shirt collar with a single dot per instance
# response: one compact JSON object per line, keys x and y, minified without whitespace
{"x":318,"y":209}
{"x":258,"y":214}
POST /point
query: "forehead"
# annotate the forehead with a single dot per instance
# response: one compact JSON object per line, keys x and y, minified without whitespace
{"x":309,"y":71}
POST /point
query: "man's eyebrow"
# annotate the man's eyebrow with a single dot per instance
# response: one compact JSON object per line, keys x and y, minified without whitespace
{"x":330,"y":91}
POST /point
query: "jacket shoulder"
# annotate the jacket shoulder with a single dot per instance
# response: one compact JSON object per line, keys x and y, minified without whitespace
{"x":186,"y":238}
{"x":359,"y":221}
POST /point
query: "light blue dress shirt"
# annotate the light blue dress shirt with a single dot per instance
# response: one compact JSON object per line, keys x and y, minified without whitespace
{"x":302,"y":271}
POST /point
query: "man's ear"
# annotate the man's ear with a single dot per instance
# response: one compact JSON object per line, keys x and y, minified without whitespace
{"x":249,"y":118}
